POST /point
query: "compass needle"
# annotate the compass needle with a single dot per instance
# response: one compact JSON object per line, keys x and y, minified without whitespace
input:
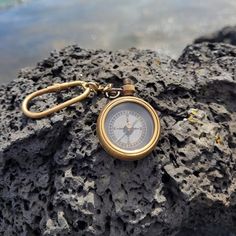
{"x":127,"y":117}
{"x":121,"y":138}
{"x":128,"y":141}
{"x":134,"y":123}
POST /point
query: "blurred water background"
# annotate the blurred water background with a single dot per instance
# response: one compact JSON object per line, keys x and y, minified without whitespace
{"x":30,"y":29}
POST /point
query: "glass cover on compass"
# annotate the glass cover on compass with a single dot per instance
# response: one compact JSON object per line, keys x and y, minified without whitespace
{"x":129,"y":126}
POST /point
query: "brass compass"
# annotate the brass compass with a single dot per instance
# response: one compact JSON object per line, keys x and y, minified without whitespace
{"x":128,"y":127}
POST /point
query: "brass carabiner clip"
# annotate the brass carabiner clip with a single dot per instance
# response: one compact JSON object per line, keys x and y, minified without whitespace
{"x":55,"y":88}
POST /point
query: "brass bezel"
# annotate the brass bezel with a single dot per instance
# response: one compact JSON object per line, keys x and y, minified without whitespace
{"x":117,"y":152}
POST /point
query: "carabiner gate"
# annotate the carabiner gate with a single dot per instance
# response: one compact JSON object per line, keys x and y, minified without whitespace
{"x":55,"y":88}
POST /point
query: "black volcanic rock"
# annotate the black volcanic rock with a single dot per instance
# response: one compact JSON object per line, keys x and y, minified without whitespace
{"x":225,"y":35}
{"x":55,"y":179}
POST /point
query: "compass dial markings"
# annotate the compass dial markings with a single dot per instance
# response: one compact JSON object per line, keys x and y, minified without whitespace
{"x":129,"y":126}
{"x":123,"y":125}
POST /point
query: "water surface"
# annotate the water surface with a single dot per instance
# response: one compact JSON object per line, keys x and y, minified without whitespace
{"x":29,"y":30}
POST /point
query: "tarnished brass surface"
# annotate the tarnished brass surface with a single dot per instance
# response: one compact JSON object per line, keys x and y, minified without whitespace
{"x":87,"y":86}
{"x":127,"y":89}
{"x":117,"y":152}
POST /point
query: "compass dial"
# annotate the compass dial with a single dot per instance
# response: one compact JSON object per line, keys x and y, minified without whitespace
{"x":129,"y":126}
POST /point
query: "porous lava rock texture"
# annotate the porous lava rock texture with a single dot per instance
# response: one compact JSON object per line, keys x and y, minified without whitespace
{"x":55,"y":179}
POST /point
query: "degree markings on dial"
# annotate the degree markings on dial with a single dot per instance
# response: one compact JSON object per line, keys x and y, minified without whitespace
{"x":131,"y":118}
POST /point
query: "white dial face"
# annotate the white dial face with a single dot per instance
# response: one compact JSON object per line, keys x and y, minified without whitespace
{"x":129,"y":126}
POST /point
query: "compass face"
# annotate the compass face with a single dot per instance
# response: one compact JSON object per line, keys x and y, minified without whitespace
{"x":129,"y":126}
